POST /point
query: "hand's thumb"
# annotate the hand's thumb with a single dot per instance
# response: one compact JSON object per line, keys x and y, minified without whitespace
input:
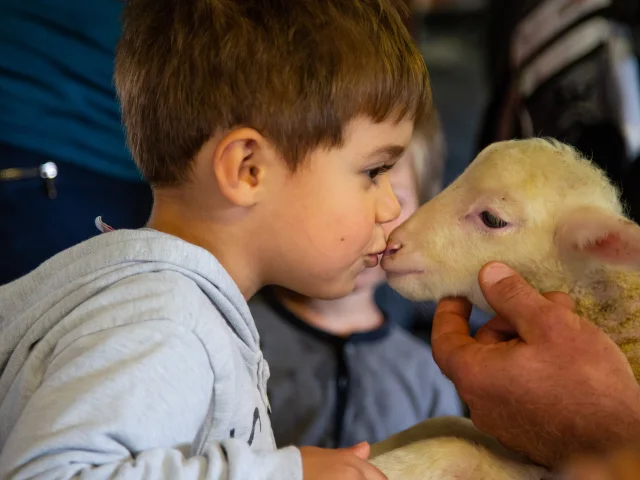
{"x":512,"y":298}
{"x":361,"y":450}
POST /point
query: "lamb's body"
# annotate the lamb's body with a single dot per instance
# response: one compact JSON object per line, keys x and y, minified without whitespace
{"x":540,"y":207}
{"x":612,"y":302}
{"x":426,"y":451}
{"x":432,"y":460}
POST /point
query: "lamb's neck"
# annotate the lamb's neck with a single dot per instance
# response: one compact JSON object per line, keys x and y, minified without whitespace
{"x":611,"y":300}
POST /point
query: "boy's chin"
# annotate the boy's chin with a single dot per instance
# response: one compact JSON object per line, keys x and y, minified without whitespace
{"x":340,"y":287}
{"x":327,"y":290}
{"x":370,"y":278}
{"x":334,"y":292}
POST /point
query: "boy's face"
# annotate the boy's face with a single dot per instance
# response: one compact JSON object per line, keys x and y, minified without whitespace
{"x":404,"y":185}
{"x":324,"y":225}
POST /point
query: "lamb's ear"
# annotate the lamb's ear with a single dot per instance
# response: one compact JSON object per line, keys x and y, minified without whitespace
{"x":590,"y":233}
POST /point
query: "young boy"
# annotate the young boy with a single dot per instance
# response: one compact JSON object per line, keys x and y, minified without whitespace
{"x":264,"y":128}
{"x":343,"y":371}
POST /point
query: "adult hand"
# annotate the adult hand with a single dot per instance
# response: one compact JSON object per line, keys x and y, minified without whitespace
{"x":538,"y":377}
{"x":623,"y":464}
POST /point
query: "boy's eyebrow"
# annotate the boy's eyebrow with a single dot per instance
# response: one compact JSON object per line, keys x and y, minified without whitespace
{"x":388,"y":152}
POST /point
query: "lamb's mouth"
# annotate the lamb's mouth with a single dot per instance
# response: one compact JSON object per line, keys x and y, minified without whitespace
{"x":402,"y":273}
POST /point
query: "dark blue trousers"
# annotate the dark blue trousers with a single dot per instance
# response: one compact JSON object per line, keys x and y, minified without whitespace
{"x":34,"y":227}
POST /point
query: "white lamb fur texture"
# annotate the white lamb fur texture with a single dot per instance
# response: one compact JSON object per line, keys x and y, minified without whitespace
{"x":431,"y":460}
{"x":566,"y":232}
{"x":450,"y":448}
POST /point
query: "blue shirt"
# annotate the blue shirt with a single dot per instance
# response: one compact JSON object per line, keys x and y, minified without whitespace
{"x":331,"y":392}
{"x":57,"y":96}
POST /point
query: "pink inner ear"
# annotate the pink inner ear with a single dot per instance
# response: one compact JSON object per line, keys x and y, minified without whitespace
{"x":613,"y":249}
{"x":620,"y":245}
{"x":602,"y":236}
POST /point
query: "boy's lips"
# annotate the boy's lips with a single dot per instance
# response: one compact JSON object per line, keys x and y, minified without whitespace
{"x":371,"y":260}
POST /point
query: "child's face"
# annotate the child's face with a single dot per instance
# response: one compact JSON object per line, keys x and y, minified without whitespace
{"x":404,"y":185}
{"x":325,"y":223}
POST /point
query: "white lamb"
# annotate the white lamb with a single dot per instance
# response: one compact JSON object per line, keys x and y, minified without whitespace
{"x":450,"y":448}
{"x":540,"y":207}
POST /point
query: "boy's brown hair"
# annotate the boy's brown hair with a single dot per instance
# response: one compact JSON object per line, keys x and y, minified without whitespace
{"x":297,"y":71}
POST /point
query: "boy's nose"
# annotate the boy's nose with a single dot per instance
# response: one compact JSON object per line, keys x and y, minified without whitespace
{"x":388,"y":208}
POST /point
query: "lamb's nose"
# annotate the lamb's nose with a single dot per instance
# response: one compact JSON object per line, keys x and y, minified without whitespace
{"x":392,"y":248}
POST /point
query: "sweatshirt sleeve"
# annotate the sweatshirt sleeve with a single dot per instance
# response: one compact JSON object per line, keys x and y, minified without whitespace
{"x":126,"y":403}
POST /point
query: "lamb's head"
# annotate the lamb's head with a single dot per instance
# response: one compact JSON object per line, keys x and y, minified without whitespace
{"x":535,"y":204}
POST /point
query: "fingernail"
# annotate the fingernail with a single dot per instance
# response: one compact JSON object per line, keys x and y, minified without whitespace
{"x":496,"y":272}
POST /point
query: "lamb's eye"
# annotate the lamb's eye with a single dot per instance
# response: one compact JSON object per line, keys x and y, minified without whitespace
{"x":491,"y":221}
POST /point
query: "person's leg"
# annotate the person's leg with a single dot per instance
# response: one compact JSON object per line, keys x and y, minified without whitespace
{"x":35,"y":227}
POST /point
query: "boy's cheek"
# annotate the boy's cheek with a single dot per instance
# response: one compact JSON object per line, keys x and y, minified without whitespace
{"x":339,"y":232}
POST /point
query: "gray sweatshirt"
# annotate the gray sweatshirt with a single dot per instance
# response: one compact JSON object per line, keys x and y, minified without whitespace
{"x":134,"y":355}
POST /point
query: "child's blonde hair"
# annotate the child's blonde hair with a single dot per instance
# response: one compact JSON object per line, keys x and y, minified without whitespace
{"x":428,"y":151}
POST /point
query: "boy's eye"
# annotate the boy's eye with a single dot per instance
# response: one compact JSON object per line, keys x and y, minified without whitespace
{"x":375,"y":172}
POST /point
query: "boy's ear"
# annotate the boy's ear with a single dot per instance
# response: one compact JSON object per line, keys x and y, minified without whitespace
{"x":590,"y":233}
{"x":239,"y":165}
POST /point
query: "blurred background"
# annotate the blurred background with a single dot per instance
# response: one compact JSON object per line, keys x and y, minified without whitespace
{"x":469,"y":46}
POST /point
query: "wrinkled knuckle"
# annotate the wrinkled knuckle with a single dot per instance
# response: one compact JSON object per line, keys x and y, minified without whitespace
{"x":557,"y":319}
{"x":513,"y":292}
{"x":550,"y":312}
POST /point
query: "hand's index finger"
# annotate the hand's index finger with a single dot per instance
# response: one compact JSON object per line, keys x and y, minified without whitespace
{"x":450,"y":333}
{"x":452,"y":316}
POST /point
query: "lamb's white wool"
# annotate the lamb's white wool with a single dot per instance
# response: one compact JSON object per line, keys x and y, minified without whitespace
{"x":449,"y":448}
{"x":560,"y":220}
{"x":451,"y":458}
